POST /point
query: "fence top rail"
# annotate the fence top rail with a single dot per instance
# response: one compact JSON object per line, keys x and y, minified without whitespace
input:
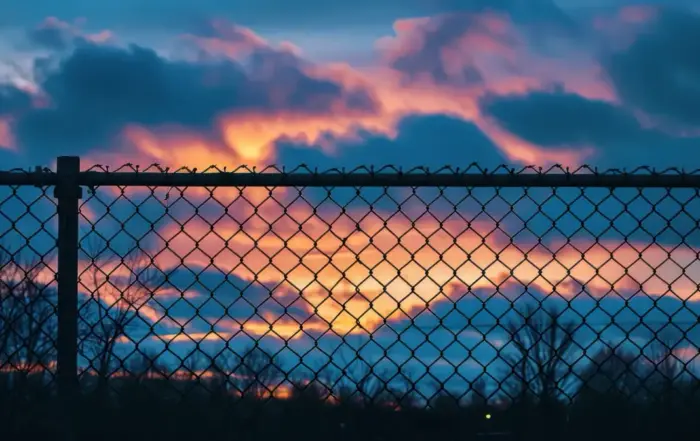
{"x":472,"y":176}
{"x":383,"y":180}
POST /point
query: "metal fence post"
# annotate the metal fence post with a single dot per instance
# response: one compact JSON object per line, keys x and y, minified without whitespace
{"x":68,"y":194}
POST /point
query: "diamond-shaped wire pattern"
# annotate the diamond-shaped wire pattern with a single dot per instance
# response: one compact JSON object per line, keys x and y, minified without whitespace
{"x":28,"y":320}
{"x":511,"y":306}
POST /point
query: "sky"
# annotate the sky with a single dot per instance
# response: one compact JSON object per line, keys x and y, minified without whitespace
{"x":408,"y":83}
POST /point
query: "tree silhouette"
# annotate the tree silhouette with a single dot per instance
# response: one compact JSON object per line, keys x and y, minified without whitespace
{"x":118,"y":287}
{"x":667,"y":369}
{"x":540,"y":380}
{"x":145,"y":364}
{"x":479,"y":395}
{"x":28,"y":332}
{"x":28,"y":323}
{"x":257,"y":373}
{"x":220,"y":369}
{"x":611,"y":373}
{"x":313,"y":386}
{"x":359,"y":382}
{"x":611,"y":390}
{"x":543,"y":355}
{"x":195,"y":364}
{"x":444,"y":400}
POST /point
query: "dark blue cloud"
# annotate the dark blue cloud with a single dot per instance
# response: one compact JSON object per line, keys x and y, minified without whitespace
{"x":214,"y":295}
{"x":556,"y":215}
{"x":53,"y":35}
{"x":13,"y":100}
{"x":456,"y":325}
{"x":651,"y":215}
{"x":660,"y":72}
{"x":97,"y":90}
{"x":556,"y":118}
{"x":433,"y":141}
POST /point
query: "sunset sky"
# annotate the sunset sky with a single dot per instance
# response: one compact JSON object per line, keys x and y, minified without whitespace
{"x":612,"y":84}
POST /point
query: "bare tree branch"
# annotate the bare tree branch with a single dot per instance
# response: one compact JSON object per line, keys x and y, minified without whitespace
{"x":543,"y":358}
{"x":28,"y":323}
{"x":118,"y":287}
{"x":258,"y":372}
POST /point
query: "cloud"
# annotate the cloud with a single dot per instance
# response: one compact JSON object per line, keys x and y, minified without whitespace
{"x":13,"y":100}
{"x":660,"y":72}
{"x":97,"y":90}
{"x":421,"y":47}
{"x":416,"y":144}
{"x":137,"y":104}
{"x":217,"y":35}
{"x":53,"y":34}
{"x":557,"y":118}
{"x":455,"y":48}
{"x":57,"y":35}
{"x":422,"y":141}
{"x":212,"y":296}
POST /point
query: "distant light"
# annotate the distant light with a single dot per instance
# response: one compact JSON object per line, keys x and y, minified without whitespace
{"x":488,"y":416}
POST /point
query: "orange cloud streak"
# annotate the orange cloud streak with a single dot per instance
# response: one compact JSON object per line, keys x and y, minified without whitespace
{"x":352,"y":285}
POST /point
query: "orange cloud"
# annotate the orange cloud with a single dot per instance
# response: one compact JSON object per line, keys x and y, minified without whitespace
{"x":176,"y":146}
{"x":353,"y":278}
{"x":249,"y":138}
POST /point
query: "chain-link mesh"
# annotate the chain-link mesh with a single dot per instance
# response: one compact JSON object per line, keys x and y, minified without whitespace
{"x":28,"y":320}
{"x":332,"y":309}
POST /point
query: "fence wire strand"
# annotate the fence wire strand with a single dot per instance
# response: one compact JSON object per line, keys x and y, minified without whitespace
{"x":497,"y":302}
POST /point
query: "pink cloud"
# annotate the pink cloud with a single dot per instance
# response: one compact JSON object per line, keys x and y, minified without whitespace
{"x":56,"y":34}
{"x":7,"y":140}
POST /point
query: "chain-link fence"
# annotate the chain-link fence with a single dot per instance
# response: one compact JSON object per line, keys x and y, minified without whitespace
{"x":374,"y":302}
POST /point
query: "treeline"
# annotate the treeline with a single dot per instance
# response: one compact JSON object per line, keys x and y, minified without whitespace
{"x":540,"y":395}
